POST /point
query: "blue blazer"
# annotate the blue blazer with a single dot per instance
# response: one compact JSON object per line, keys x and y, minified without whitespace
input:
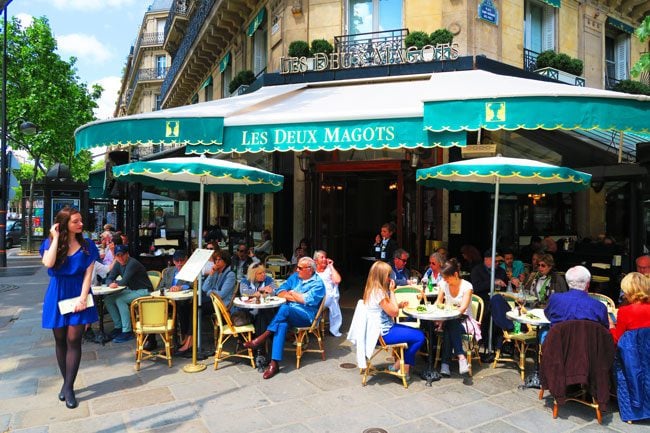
{"x":632,"y":375}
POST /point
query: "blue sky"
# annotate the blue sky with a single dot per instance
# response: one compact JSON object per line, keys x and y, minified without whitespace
{"x":99,"y":33}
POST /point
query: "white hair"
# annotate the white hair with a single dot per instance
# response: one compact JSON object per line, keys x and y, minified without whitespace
{"x":578,"y":277}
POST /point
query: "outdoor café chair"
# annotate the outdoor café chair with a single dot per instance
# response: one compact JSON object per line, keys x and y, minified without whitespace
{"x":151,"y":315}
{"x":224,"y":330}
{"x":302,"y":332}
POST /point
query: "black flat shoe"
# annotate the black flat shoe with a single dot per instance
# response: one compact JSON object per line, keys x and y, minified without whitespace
{"x":61,"y":396}
{"x":71,"y":401}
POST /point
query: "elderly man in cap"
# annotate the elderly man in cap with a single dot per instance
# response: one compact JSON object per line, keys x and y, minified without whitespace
{"x":134,"y":277}
{"x":576,"y":304}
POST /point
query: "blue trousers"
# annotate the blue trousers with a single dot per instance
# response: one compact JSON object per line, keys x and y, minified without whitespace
{"x":118,"y":306}
{"x":405,"y":334}
{"x":289,"y":314}
{"x":452,"y":338}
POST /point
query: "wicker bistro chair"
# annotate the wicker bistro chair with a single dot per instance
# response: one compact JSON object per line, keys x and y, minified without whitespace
{"x":522,"y":341}
{"x":609,"y":303}
{"x":413,"y":296}
{"x":224,"y":329}
{"x":149,"y":316}
{"x":396,"y":351}
{"x":154,"y":277}
{"x":471,"y":352}
{"x":303,"y":332}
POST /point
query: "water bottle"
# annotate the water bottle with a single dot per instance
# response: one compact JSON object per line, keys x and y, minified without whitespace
{"x":430,"y":285}
{"x":517,"y":326}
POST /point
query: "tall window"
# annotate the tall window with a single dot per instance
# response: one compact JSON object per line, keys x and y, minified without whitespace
{"x":617,"y":49}
{"x":226,"y":78}
{"x":161,"y":65}
{"x":539,"y":26}
{"x":209,"y":91}
{"x":160,"y":30}
{"x":374,"y":15}
{"x":158,"y":105}
{"x":259,"y":48}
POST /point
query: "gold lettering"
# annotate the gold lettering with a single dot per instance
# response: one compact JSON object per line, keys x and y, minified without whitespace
{"x":320,"y":60}
{"x":334,"y":61}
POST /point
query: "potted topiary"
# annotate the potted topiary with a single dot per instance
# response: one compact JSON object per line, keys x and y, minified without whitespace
{"x":560,"y":67}
{"x":416,"y":39}
{"x":321,"y":46}
{"x":441,"y":36}
{"x":299,"y":49}
{"x":241,"y":82}
{"x":633,"y":87}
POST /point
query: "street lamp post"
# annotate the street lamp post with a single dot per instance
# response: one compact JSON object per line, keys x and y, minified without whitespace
{"x":4,"y":178}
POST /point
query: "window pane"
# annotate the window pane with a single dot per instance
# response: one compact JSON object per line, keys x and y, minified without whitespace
{"x":360,"y":16}
{"x":536,"y":19}
{"x":390,"y":14}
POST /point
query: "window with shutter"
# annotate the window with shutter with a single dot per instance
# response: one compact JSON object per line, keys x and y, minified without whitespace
{"x":622,"y":48}
{"x":539,"y":26}
{"x":226,"y":78}
{"x":259,"y":48}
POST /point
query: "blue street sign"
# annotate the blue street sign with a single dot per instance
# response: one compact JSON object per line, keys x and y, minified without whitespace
{"x":487,"y":11}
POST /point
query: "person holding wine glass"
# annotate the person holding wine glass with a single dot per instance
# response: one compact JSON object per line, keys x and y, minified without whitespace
{"x":545,"y":281}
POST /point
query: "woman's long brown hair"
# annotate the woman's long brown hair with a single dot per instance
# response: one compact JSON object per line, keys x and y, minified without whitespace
{"x":377,"y":278}
{"x":63,"y":218}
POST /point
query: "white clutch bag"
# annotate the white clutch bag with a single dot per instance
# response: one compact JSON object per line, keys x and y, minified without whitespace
{"x":66,"y":306}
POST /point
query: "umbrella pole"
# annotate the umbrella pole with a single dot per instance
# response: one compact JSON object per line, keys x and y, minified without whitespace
{"x":494,"y":250}
{"x":194,"y":367}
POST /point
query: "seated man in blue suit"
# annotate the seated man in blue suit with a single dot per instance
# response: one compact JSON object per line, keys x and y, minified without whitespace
{"x":304,"y":294}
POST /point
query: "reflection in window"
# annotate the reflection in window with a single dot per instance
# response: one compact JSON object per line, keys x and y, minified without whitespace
{"x":374,"y":15}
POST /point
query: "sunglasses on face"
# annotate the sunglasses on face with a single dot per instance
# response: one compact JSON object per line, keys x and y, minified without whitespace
{"x":542,"y":265}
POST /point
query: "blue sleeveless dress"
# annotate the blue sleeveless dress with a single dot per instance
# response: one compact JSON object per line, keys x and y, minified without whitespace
{"x":66,"y":282}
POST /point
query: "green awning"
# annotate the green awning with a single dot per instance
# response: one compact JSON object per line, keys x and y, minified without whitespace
{"x":341,"y":135}
{"x":206,"y":83}
{"x":223,"y":64}
{"x":121,"y":132}
{"x":96,"y":181}
{"x":252,"y":27}
{"x":620,"y":25}
{"x":532,"y":112}
{"x":554,"y":3}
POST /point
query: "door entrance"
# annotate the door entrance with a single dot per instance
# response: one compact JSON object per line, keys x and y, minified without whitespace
{"x":351,"y":206}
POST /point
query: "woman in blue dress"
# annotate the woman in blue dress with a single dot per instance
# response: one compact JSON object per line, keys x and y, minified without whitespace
{"x":70,"y":260}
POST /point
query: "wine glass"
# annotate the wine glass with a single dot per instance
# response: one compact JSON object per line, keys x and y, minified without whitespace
{"x":521,"y":300}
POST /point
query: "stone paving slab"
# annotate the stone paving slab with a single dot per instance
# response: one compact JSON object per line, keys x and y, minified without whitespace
{"x":321,"y":396}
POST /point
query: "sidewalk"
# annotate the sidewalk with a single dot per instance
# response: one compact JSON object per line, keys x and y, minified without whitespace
{"x":322,"y":396}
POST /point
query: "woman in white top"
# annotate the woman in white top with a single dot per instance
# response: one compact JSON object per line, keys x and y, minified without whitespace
{"x":379,"y":298}
{"x":457,"y":292}
{"x":331,"y":278}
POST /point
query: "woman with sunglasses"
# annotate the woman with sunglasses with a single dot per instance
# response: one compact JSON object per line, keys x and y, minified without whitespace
{"x":221,"y":279}
{"x":545,"y":281}
{"x":255,"y":284}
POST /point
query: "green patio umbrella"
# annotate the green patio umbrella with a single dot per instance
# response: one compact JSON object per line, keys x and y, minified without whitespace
{"x":500,"y":174}
{"x":202,"y":174}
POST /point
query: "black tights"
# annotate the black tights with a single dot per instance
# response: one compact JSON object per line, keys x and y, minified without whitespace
{"x":68,"y":354}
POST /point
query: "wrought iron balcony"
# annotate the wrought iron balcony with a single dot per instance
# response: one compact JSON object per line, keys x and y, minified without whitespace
{"x":149,"y":39}
{"x":178,"y":13}
{"x":193,"y":29}
{"x":610,"y":83}
{"x":145,"y":74}
{"x":530,"y":60}
{"x":179,"y":9}
{"x":365,"y":45}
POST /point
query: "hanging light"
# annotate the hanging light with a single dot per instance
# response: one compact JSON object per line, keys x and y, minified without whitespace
{"x":304,"y":160}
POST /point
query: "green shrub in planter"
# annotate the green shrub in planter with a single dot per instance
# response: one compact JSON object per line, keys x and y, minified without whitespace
{"x":299,"y":49}
{"x":416,"y":39}
{"x":546,"y":59}
{"x":321,"y":46}
{"x":576,"y":67}
{"x":441,"y":36}
{"x":631,"y":86}
{"x":244,"y":77}
{"x":562,"y":62}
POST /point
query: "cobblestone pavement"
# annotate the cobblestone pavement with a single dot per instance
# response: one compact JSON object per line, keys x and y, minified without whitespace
{"x":321,"y":396}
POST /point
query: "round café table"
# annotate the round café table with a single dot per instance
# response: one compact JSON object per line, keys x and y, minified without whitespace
{"x":432,"y":314}
{"x":536,"y":318}
{"x":99,"y":292}
{"x":252,"y":304}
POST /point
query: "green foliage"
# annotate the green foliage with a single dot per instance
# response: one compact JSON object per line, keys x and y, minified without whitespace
{"x":243,"y":78}
{"x":631,"y":86}
{"x":98,"y":165}
{"x":643,"y":64}
{"x":546,"y":59}
{"x":441,"y":36}
{"x":299,"y":49}
{"x":45,"y":89}
{"x":560,"y":61}
{"x":417,"y":39}
{"x":321,"y":46}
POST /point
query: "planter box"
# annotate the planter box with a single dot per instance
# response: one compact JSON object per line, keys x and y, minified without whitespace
{"x":561,"y":76}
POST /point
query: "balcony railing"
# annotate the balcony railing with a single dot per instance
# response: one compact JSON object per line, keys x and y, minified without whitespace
{"x":610,"y":83}
{"x":178,"y":9}
{"x":530,"y":60}
{"x":149,"y":39}
{"x":365,"y":45}
{"x":193,"y":30}
{"x":145,"y":74}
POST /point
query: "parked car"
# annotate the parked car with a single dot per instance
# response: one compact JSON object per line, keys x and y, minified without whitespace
{"x":14,"y":231}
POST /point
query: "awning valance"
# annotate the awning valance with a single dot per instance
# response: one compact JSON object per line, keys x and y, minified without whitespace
{"x":122,"y":132}
{"x":341,"y":135}
{"x":207,"y":82}
{"x":223,"y":64}
{"x":252,"y":27}
{"x":471,"y":100}
{"x":620,"y":25}
{"x":554,"y":3}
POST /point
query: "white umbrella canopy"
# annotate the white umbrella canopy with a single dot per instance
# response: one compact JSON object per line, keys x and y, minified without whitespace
{"x":497,"y":174}
{"x":192,"y":173}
